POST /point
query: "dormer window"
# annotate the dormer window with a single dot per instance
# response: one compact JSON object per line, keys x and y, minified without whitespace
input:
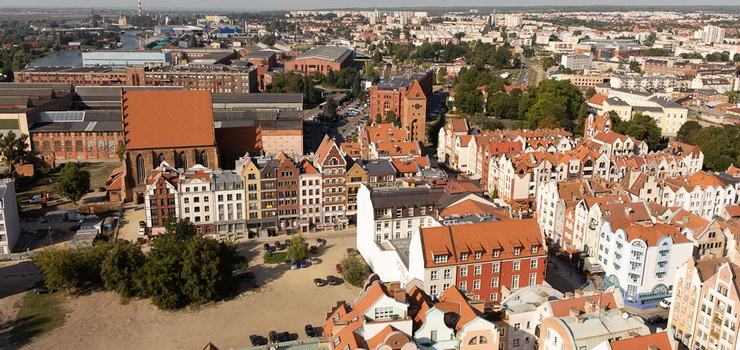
{"x":517,"y":251}
{"x":496,"y":253}
{"x":463,"y":256}
{"x":439,"y":259}
{"x":534,"y":249}
{"x":478,"y":255}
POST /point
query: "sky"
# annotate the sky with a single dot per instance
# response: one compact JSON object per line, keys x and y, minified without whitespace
{"x":252,"y":5}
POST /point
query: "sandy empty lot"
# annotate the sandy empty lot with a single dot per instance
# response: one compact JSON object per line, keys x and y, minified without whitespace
{"x":287,"y":301}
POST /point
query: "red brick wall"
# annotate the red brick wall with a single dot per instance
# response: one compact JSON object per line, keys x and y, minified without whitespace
{"x":74,"y":145}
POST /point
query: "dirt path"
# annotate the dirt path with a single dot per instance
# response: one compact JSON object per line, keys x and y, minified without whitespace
{"x":287,"y":301}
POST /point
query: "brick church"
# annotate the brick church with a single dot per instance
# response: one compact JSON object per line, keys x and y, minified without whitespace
{"x":172,"y":126}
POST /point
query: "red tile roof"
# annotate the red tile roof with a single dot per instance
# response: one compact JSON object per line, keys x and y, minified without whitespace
{"x":597,"y":99}
{"x":561,"y":308}
{"x":168,"y":119}
{"x":661,"y":341}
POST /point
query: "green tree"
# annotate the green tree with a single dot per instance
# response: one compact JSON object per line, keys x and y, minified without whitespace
{"x":391,"y":117}
{"x":330,"y":110}
{"x":71,"y":269}
{"x":13,"y":149}
{"x":720,"y":145}
{"x":548,"y":62}
{"x":120,"y":268}
{"x":73,"y":182}
{"x":354,"y":269}
{"x":635,"y":66}
{"x":687,"y":131}
{"x":468,"y":101}
{"x":297,"y":248}
{"x":642,"y":127}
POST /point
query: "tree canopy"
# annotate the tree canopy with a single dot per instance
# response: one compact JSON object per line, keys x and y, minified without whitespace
{"x":720,"y":145}
{"x":13,"y":149}
{"x":354,"y":269}
{"x":642,"y":127}
{"x":73,"y":182}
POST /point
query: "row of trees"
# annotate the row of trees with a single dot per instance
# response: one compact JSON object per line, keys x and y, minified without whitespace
{"x":182,"y":268}
{"x":720,"y":145}
{"x":498,"y":56}
{"x":296,"y":83}
{"x":551,"y":104}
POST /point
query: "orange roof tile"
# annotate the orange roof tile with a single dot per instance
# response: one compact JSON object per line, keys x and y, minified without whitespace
{"x":452,"y":300}
{"x":561,"y":308}
{"x":168,"y":119}
{"x":660,"y":340}
{"x":489,"y":235}
{"x":598,"y":99}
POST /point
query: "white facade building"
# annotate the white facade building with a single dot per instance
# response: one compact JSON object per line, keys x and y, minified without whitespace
{"x":642,"y":259}
{"x":10,"y":227}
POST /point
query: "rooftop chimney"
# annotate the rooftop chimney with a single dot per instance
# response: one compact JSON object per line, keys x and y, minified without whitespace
{"x":573,"y":312}
{"x":580,"y":319}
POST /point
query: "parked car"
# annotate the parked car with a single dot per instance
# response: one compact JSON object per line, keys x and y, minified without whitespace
{"x":257,"y":340}
{"x":310,"y":332}
{"x":266,"y":247}
{"x":314,"y":249}
{"x":331,"y":280}
{"x":278,"y":245}
{"x":657,"y":319}
{"x":320,"y":242}
{"x":303,"y":264}
{"x":41,"y":290}
{"x":273,"y":337}
{"x":339,"y":268}
{"x":319,"y":282}
{"x":142,"y":224}
{"x":35,"y":199}
{"x":666,"y":303}
{"x":284,"y":336}
{"x":293,"y":265}
{"x":314,"y":260}
{"x":142,"y":231}
{"x":287,"y":243}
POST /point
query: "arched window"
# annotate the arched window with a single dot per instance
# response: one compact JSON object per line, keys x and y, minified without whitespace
{"x":204,"y":158}
{"x":483,"y":340}
{"x":183,"y":160}
{"x":140,"y":169}
{"x":473,"y":341}
{"x":161,"y":158}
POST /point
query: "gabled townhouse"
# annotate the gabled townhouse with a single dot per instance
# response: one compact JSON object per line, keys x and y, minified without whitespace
{"x":454,"y":322}
{"x":704,"y":304}
{"x":379,"y":317}
{"x":311,"y":194}
{"x":332,"y":165}
{"x":162,"y":198}
{"x":702,"y":193}
{"x":288,"y":208}
{"x":641,"y":259}
{"x":446,"y":140}
{"x":230,"y":212}
{"x":521,"y":309}
{"x":196,"y":198}
{"x":709,"y":236}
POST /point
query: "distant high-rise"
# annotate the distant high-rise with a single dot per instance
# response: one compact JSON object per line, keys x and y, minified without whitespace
{"x":711,"y":34}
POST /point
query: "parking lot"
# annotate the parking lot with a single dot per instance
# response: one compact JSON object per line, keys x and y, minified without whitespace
{"x":286,"y":300}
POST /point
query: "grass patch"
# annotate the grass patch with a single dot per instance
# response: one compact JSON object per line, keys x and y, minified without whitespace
{"x":276,"y":258}
{"x":37,"y":314}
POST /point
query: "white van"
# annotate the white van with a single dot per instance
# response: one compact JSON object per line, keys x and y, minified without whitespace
{"x":666,"y":302}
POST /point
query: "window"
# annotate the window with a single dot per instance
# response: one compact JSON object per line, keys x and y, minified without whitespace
{"x":517,"y":251}
{"x":477,"y":270}
{"x":433,"y":336}
{"x":478,"y":255}
{"x":494,"y":296}
{"x":516,"y":266}
{"x":496,"y":253}
{"x":433,"y":275}
{"x":446,"y":274}
{"x":532,"y":279}
{"x":517,"y":326}
{"x":515,"y":282}
{"x":496,"y":267}
{"x":438,"y":259}
{"x":464,"y":286}
{"x":494,"y":282}
{"x":473,"y":341}
{"x":383,"y":312}
{"x":476,"y":285}
{"x":515,"y":342}
{"x":433,"y":289}
{"x":534,"y":249}
{"x":482,"y":340}
{"x":464,"y":256}
{"x":463,"y":271}
{"x":533,"y":264}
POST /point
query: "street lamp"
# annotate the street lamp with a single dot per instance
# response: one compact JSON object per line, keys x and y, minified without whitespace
{"x":50,"y":241}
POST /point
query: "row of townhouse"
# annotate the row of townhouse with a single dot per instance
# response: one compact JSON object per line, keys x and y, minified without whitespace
{"x":437,"y":240}
{"x":279,"y":193}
